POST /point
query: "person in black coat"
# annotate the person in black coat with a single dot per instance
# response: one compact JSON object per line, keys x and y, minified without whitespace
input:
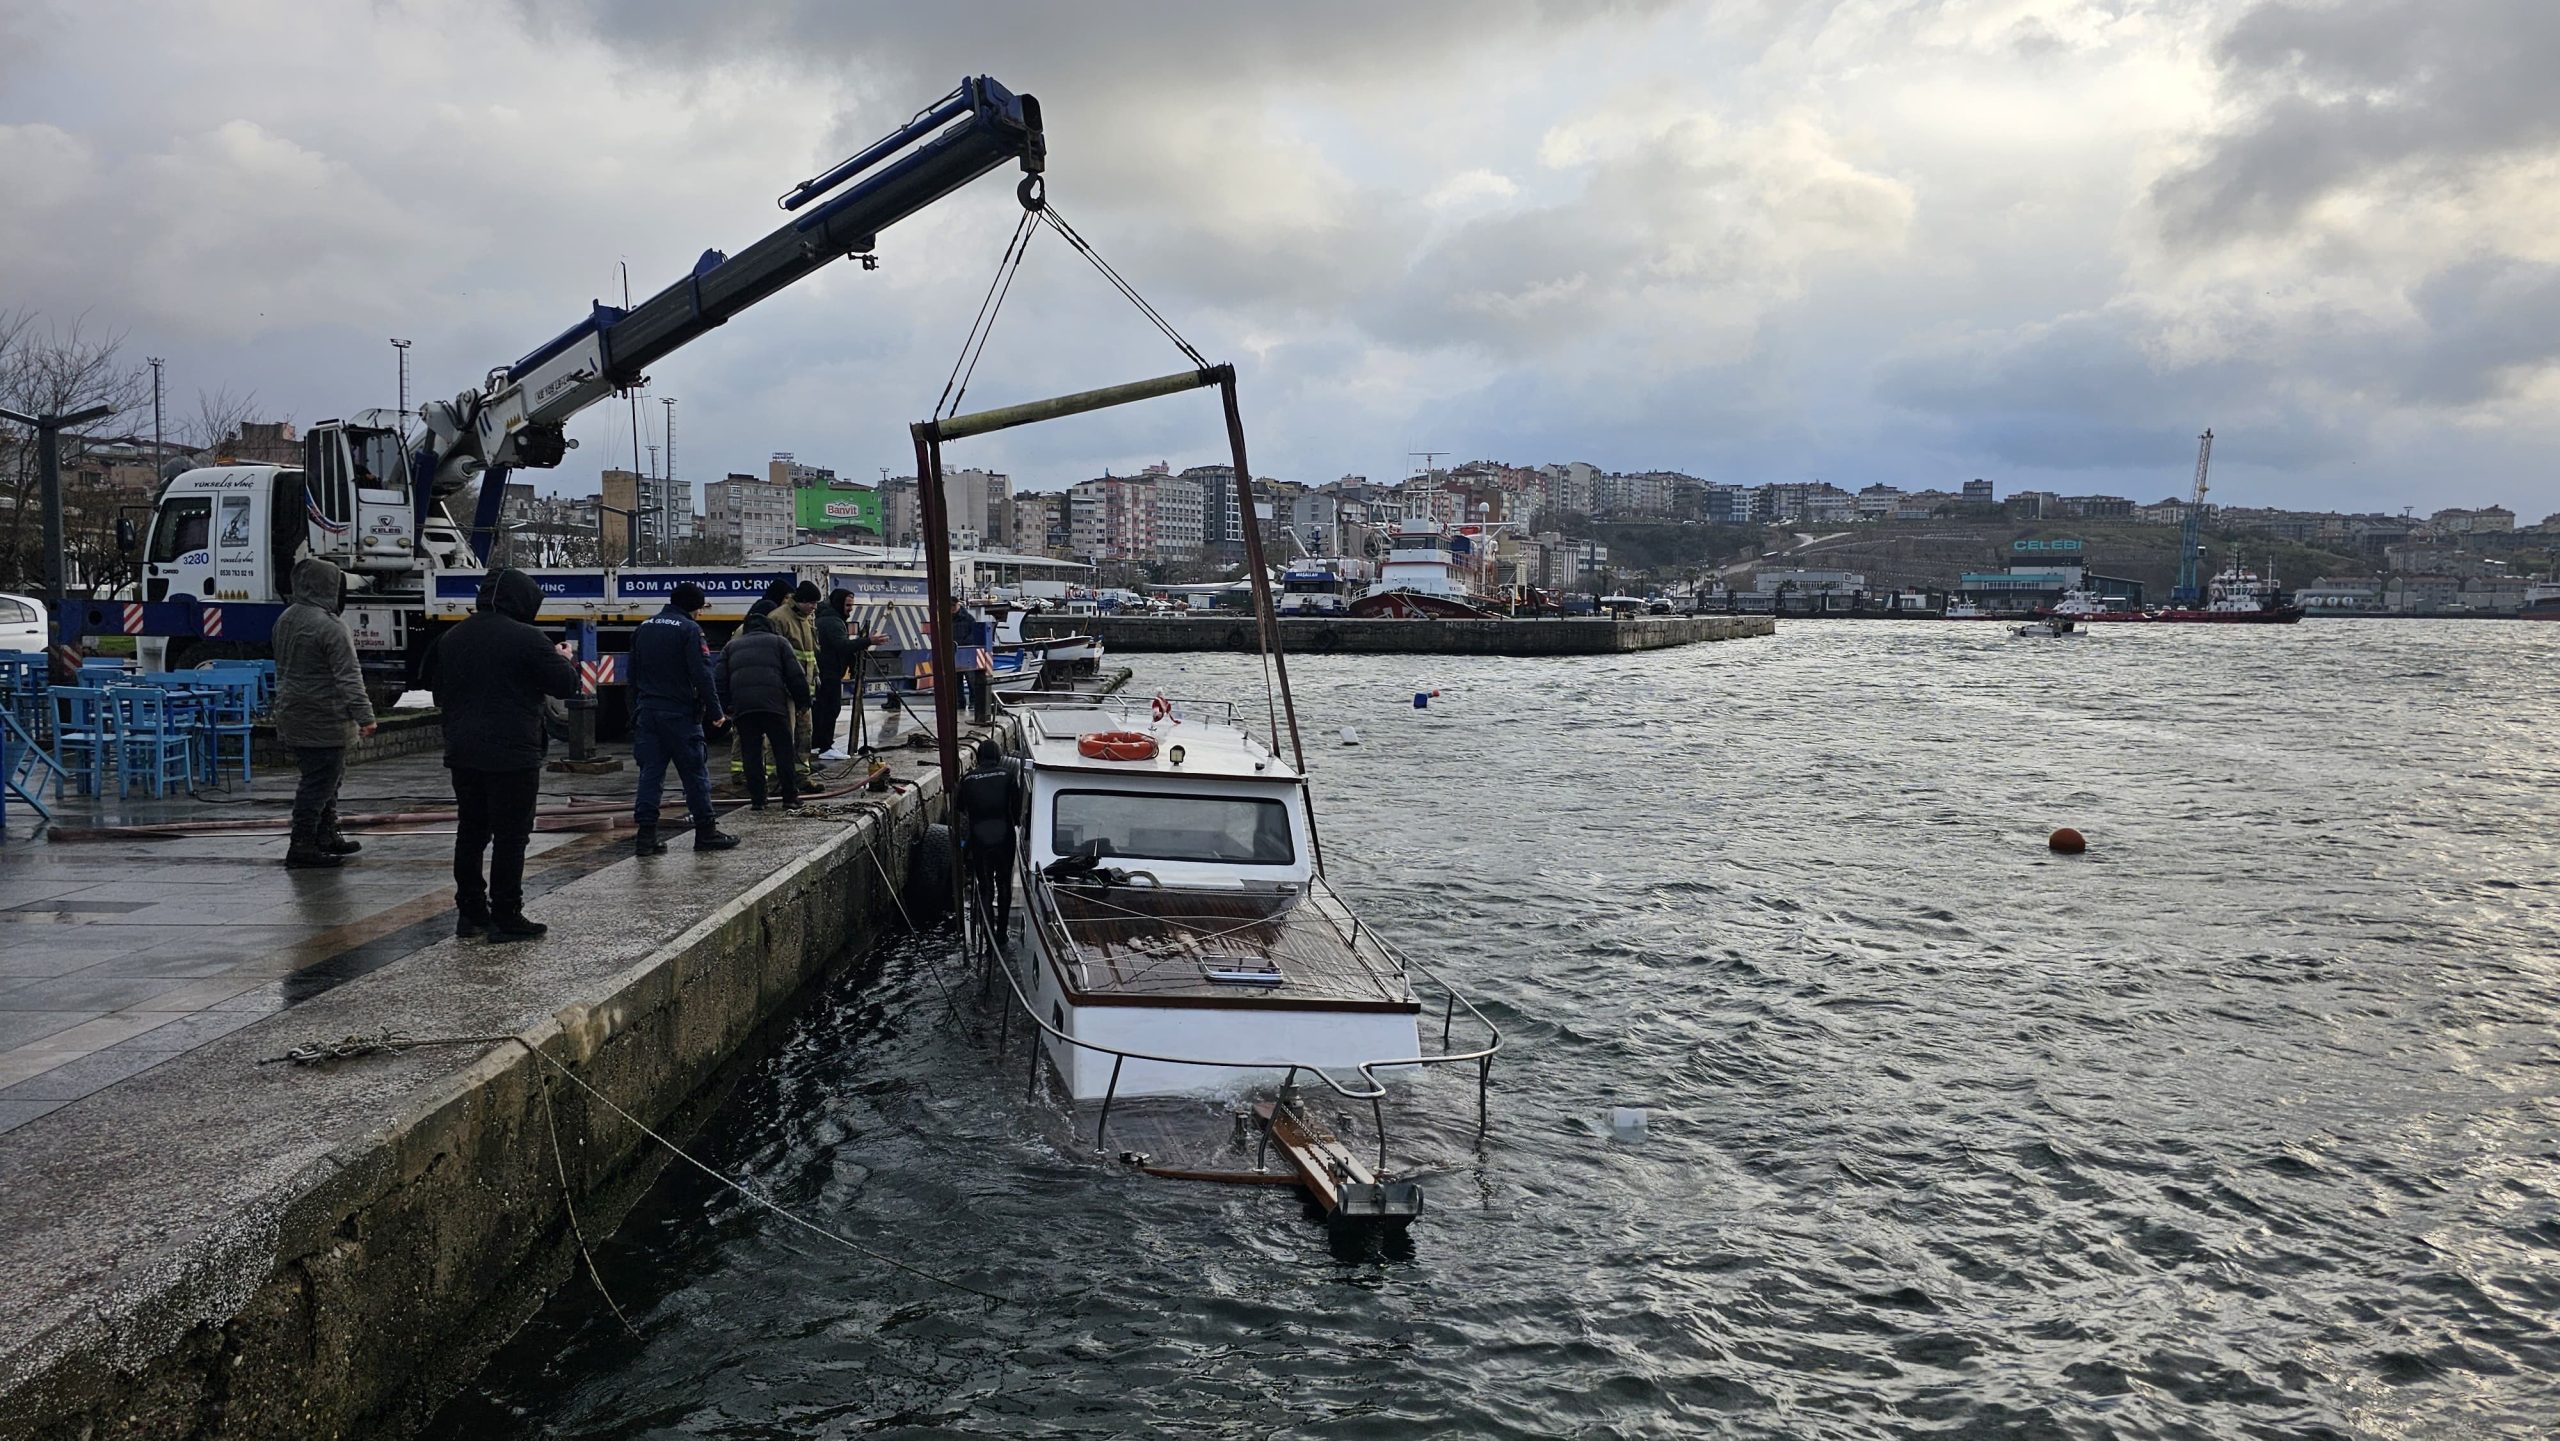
{"x":490,"y":675}
{"x":776,"y":594}
{"x":988,"y":799}
{"x":843,"y":645}
{"x":760,"y":680}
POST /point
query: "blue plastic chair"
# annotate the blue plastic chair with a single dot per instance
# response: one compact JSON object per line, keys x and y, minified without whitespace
{"x":264,"y":670}
{"x":23,"y":677}
{"x":155,"y":738}
{"x":235,"y":716}
{"x":26,"y":768}
{"x":228,"y":712}
{"x":83,"y":734}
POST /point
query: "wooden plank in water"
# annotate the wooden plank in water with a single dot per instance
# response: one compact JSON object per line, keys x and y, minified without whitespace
{"x":1324,"y":1164}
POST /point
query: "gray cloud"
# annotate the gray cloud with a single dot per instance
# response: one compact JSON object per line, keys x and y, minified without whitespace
{"x":1912,"y":240}
{"x":2094,"y":392}
{"x":1681,"y":228}
{"x":2408,"y":95}
{"x":2490,"y":325}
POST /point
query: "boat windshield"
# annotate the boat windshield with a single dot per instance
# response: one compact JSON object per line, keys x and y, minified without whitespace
{"x":1150,"y":826}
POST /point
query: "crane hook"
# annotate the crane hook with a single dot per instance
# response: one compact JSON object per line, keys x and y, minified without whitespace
{"x":1033,"y":192}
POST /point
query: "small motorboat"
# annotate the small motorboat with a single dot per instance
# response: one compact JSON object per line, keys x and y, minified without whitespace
{"x":2052,"y":627}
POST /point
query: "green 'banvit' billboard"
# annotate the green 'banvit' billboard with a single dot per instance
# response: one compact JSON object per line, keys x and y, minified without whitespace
{"x":828,"y":508}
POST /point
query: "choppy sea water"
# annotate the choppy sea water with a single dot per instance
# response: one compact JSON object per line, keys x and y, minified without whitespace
{"x":2241,"y":1125}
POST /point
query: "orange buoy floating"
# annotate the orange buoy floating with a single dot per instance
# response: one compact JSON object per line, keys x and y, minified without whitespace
{"x":2067,"y":841}
{"x":1116,"y":746}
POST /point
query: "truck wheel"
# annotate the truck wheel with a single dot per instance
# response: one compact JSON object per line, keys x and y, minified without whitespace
{"x":933,"y":868}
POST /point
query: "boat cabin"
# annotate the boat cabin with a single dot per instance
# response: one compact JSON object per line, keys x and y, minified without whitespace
{"x":1210,"y":804}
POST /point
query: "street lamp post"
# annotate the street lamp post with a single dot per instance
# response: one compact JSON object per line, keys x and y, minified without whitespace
{"x":157,"y":458}
{"x":667,"y":484}
{"x":49,"y":430}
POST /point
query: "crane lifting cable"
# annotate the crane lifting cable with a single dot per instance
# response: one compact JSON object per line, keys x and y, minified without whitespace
{"x":1037,"y":211}
{"x":948,"y":424}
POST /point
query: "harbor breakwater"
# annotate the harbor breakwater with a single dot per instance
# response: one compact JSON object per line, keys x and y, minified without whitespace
{"x":1335,"y":635}
{"x":229,"y":1246}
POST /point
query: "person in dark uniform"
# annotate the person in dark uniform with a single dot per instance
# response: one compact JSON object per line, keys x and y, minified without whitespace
{"x":989,"y":798}
{"x":673,"y":701}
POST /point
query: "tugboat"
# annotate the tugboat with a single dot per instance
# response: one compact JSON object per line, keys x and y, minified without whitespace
{"x":2237,"y":596}
{"x":2080,"y":605}
{"x":1420,"y":577}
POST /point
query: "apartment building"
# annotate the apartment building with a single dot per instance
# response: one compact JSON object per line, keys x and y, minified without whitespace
{"x":1113,"y":518}
{"x":749,"y":512}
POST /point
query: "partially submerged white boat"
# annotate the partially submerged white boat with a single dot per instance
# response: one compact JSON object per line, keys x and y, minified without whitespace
{"x":1172,"y":927}
{"x":1173,"y":933}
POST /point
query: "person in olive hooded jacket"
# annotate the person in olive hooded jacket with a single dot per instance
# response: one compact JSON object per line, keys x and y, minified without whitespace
{"x":320,"y":708}
{"x":490,"y":675}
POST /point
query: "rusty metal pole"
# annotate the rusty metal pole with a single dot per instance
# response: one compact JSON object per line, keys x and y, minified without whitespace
{"x":935,"y":514}
{"x":1263,"y":608}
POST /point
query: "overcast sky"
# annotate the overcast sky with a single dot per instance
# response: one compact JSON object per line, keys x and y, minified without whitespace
{"x":1916,"y":241}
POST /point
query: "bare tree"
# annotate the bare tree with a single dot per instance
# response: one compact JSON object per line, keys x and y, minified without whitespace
{"x":217,"y":419}
{"x":55,"y":370}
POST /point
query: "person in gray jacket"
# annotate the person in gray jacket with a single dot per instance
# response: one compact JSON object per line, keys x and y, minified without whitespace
{"x":320,"y":708}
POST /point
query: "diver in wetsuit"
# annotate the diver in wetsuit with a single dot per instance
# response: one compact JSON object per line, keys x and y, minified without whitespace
{"x":989,"y":796}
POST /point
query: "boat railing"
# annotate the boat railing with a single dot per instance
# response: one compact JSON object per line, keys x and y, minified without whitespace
{"x":1193,"y":708}
{"x":1040,"y":909}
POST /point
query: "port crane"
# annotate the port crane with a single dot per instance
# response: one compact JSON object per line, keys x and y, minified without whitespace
{"x":2191,"y":530}
{"x":224,"y":539}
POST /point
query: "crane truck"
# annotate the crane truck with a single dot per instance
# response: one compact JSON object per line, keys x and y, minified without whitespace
{"x":223,"y":540}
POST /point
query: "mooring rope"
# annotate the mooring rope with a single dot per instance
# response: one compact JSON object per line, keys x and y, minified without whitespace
{"x":315,"y":1052}
{"x":560,"y":1167}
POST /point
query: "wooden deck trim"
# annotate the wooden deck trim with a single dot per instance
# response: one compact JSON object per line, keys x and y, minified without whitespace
{"x":1262,"y":1000}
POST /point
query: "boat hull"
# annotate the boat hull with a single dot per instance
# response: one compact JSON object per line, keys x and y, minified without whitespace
{"x":2286,"y":615}
{"x":1416,"y":605}
{"x":1337,"y":1040}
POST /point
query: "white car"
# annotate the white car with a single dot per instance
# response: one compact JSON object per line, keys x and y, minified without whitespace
{"x":22,"y":623}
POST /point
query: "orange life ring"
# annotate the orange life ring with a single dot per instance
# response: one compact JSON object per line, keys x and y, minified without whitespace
{"x":1117,"y":746}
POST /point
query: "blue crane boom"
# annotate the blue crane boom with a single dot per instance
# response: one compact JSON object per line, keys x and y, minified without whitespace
{"x":517,"y":416}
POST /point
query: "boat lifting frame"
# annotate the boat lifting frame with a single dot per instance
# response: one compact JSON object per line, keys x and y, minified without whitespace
{"x":933,"y":510}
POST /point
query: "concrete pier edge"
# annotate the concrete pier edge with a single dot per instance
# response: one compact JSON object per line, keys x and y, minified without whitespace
{"x":395,"y":1217}
{"x":1330,"y":635}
